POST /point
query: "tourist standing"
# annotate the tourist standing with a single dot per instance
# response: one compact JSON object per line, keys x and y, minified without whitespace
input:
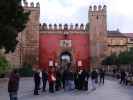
{"x":80,"y":74}
{"x":65,"y":79}
{"x":71,"y":85}
{"x":13,"y":85}
{"x":123,"y":76}
{"x":37,"y":81}
{"x":44,"y":79}
{"x":102,"y":75}
{"x":58,"y":80}
{"x":86,"y":78}
{"x":94,"y":76}
{"x":76,"y":79}
{"x":51,"y":79}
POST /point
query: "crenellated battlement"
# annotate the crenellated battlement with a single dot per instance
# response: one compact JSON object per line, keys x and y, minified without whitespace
{"x":97,"y":8}
{"x":31,"y":4}
{"x":62,"y":27}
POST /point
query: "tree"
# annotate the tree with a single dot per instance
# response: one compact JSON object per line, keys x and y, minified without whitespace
{"x":126,"y":57}
{"x":4,"y":65}
{"x":26,"y":71}
{"x":13,"y":20}
{"x":110,"y":60}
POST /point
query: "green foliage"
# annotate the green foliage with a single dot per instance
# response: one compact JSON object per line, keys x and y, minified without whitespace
{"x":26,"y":71}
{"x":110,"y":60}
{"x":4,"y":65}
{"x":13,"y":20}
{"x":124,"y":58}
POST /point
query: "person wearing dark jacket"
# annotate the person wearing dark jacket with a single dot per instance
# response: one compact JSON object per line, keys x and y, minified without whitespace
{"x":65,"y":79}
{"x":81,"y":79}
{"x":13,"y":85}
{"x":44,"y":79}
{"x":86,"y":78}
{"x":37,"y":81}
{"x":58,"y":80}
{"x":76,"y":80}
{"x":123,"y":77}
{"x":94,"y":76}
{"x":102,"y":75}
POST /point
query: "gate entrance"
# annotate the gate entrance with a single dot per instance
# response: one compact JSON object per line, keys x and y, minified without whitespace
{"x":65,"y":60}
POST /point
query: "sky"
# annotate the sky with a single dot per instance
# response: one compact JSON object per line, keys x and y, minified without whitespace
{"x":119,"y":12}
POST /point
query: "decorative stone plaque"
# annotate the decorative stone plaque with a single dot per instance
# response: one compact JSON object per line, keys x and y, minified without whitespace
{"x":65,"y":43}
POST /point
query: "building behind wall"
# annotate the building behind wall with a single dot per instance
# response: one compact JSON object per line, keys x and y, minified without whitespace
{"x":117,"y":42}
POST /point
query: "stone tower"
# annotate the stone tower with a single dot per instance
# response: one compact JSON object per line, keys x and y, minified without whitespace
{"x":29,"y":40}
{"x":98,"y":33}
{"x":28,"y":46}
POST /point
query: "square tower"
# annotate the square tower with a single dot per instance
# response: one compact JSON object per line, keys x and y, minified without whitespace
{"x":98,"y":33}
{"x":29,"y":39}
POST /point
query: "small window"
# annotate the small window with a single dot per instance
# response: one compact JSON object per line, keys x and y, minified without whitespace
{"x":131,"y":39}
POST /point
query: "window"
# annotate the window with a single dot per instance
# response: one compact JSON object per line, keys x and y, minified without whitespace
{"x":131,"y":39}
{"x":121,"y":42}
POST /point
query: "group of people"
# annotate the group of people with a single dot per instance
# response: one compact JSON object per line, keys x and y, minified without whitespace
{"x":67,"y":80}
{"x":123,"y":76}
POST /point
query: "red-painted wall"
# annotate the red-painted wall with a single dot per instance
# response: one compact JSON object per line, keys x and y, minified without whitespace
{"x":50,"y":48}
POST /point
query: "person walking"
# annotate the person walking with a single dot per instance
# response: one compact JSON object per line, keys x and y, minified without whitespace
{"x":37,"y":81}
{"x":94,"y":76}
{"x":44,"y":79}
{"x":123,"y":76}
{"x":13,"y":85}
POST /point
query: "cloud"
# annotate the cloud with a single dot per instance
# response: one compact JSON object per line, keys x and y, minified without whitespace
{"x":120,"y":12}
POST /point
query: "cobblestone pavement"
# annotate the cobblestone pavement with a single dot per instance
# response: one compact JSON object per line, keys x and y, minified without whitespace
{"x":111,"y":90}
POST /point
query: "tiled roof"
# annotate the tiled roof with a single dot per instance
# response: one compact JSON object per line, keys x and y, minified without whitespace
{"x":115,"y":34}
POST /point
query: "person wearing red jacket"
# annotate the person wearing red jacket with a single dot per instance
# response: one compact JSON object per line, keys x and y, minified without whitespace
{"x":51,"y":79}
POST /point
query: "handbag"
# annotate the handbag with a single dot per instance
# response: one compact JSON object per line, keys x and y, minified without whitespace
{"x":53,"y":78}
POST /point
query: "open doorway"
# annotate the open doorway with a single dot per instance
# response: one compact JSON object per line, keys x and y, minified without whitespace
{"x":65,"y":60}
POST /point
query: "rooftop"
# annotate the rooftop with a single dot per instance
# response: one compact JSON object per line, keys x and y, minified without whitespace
{"x":130,"y":35}
{"x":115,"y":33}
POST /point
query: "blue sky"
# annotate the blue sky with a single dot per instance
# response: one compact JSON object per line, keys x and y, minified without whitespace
{"x":119,"y":12}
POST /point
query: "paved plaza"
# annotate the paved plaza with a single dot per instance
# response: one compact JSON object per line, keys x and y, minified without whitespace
{"x":110,"y":91}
